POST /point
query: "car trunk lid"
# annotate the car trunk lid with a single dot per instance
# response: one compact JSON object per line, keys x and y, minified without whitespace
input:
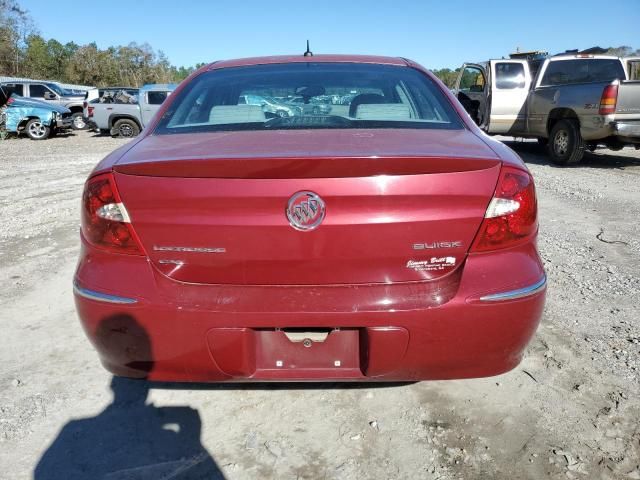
{"x":390,"y":214}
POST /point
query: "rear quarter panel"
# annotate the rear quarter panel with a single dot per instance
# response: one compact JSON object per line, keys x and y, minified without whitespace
{"x":583,"y":99}
{"x":105,"y":114}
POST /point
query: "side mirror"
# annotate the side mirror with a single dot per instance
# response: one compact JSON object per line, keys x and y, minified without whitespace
{"x":50,"y":96}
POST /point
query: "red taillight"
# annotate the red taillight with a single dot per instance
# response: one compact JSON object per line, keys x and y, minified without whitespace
{"x":90,"y":112}
{"x":512,"y":214}
{"x":105,"y":222}
{"x":609,"y":99}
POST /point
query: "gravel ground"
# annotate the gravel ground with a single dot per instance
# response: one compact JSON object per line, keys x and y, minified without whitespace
{"x":570,"y":410}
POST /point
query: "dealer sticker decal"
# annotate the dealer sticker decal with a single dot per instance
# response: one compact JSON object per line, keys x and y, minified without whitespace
{"x":433,"y":264}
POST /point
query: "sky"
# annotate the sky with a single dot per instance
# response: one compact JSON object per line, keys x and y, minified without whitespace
{"x":436,"y":34}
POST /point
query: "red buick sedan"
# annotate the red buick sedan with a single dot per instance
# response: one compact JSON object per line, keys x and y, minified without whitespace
{"x":382,"y":237}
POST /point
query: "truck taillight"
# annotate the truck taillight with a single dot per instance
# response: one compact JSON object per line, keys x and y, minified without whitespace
{"x":105,"y":221}
{"x":90,"y":112}
{"x":609,"y":99}
{"x":512,"y":214}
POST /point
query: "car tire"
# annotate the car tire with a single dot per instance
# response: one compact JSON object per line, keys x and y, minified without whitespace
{"x":566,"y":145}
{"x":36,"y":130}
{"x":126,"y":128}
{"x":78,"y":122}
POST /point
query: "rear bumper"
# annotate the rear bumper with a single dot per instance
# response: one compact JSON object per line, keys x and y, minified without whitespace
{"x":628,"y":131}
{"x":146,"y":325}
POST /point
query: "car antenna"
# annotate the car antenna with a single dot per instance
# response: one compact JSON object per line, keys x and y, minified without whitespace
{"x":308,"y":53}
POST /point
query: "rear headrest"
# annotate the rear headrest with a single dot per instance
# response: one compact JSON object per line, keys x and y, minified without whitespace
{"x":365,"y":98}
{"x":383,"y":111}
{"x":222,"y":114}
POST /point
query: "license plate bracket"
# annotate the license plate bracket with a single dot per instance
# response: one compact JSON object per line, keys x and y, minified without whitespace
{"x":336,"y":349}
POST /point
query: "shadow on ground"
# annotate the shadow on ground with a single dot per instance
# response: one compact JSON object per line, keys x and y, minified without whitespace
{"x":131,"y":439}
{"x":531,"y":152}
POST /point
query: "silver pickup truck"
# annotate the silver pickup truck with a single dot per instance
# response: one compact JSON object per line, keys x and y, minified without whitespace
{"x":128,"y":119}
{"x":568,"y":102}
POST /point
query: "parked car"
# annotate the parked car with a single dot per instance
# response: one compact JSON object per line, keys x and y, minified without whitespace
{"x":269,"y":105}
{"x":567,"y":102}
{"x":38,"y":120}
{"x":128,"y":119}
{"x":312,"y":106}
{"x":226,"y":245}
{"x":51,"y":93}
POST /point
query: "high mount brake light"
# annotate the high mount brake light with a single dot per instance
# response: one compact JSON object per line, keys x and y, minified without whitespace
{"x":105,"y":221}
{"x":609,"y":99}
{"x":511,"y":216}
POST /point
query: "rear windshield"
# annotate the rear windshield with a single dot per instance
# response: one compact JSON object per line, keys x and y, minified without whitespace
{"x":309,"y":96}
{"x":563,"y":72}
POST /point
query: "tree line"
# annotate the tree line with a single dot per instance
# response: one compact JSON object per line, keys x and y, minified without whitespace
{"x":25,"y":53}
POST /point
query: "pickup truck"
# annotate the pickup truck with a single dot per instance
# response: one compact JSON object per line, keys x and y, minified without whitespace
{"x":128,"y":119}
{"x":39,"y":120}
{"x":568,"y":102}
{"x":51,"y":93}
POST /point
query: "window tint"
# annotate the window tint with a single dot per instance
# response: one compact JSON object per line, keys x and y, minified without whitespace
{"x":509,"y":75}
{"x":156,"y":98}
{"x":472,"y":80}
{"x":37,"y":90}
{"x":563,"y":72}
{"x":309,"y":95}
{"x":11,"y":88}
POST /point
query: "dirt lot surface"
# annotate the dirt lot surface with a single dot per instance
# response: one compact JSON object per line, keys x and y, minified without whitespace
{"x":570,"y":410}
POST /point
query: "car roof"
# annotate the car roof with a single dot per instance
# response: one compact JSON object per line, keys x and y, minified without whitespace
{"x":243,"y":62}
{"x":582,"y":56}
{"x":31,"y":81}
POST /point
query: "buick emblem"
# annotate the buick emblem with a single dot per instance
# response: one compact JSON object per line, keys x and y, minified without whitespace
{"x":305,"y":211}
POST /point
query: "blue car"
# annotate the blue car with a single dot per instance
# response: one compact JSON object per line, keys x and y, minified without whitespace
{"x":37,"y":119}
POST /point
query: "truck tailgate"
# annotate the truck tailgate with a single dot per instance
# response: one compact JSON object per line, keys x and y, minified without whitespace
{"x":628,"y":103}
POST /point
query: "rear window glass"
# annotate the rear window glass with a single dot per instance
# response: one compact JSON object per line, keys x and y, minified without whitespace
{"x":13,"y":88}
{"x":156,"y":98}
{"x":563,"y":72}
{"x":309,"y":96}
{"x":509,"y":76}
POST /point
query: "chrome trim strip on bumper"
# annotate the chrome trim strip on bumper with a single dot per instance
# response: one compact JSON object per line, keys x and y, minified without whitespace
{"x":519,"y":293}
{"x":101,"y":297}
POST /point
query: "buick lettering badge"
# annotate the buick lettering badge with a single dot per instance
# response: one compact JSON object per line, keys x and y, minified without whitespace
{"x":305,"y":211}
